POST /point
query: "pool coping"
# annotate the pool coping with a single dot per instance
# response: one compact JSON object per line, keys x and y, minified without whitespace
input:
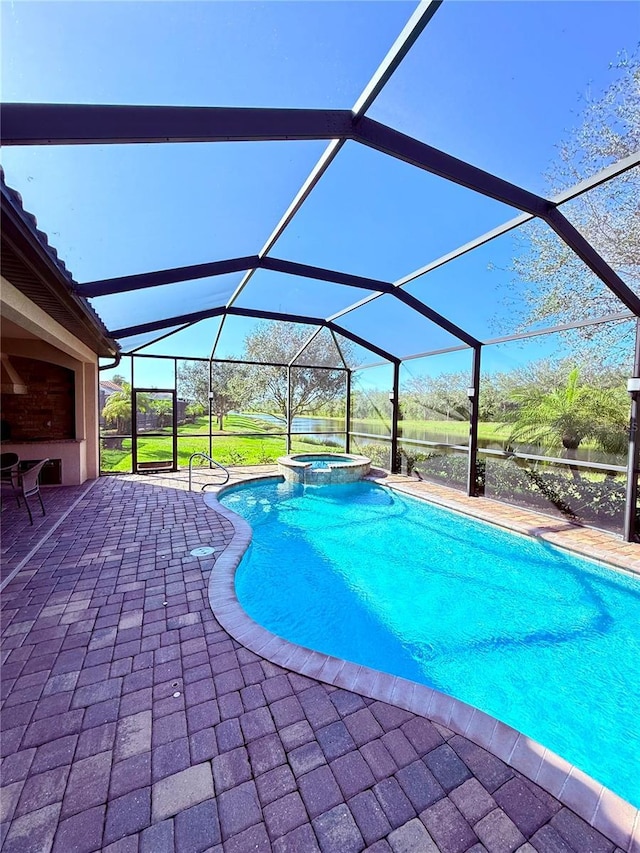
{"x":604,"y":810}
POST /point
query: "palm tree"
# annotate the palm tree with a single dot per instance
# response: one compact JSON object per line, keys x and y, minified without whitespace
{"x":567,"y":416}
{"x":117,"y":409}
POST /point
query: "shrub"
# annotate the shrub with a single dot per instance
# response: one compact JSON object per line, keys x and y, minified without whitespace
{"x":379,"y":454}
{"x":447,"y":468}
{"x":599,"y":502}
{"x":234,"y":457}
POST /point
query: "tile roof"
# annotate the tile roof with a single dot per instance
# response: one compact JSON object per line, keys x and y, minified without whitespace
{"x":108,"y":385}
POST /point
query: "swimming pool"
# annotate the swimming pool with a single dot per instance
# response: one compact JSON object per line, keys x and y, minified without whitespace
{"x":542,"y":640}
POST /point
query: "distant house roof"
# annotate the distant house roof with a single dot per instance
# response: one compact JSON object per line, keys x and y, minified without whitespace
{"x":109,"y":386}
{"x":32,"y":265}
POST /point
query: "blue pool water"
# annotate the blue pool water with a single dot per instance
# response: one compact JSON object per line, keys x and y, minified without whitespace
{"x":544,"y":641}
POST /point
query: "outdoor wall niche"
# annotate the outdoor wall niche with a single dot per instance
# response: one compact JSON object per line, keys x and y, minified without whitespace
{"x":47,"y":411}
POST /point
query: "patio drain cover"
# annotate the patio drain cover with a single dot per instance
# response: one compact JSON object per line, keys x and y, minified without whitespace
{"x":203,"y":551}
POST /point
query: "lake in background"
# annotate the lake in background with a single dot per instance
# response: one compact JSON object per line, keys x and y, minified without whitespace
{"x":333,"y":432}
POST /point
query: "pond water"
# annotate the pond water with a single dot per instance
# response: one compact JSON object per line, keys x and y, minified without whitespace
{"x":327,"y":426}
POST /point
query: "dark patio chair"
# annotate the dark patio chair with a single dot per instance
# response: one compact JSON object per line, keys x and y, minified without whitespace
{"x":9,"y":475}
{"x":30,"y":485}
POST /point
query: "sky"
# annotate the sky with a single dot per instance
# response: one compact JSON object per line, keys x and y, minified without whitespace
{"x":497,"y":83}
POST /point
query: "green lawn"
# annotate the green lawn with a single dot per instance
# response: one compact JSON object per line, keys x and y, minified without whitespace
{"x":231,"y":423}
{"x":226,"y":449}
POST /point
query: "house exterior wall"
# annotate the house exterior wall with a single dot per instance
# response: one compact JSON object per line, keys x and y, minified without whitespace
{"x":48,"y":343}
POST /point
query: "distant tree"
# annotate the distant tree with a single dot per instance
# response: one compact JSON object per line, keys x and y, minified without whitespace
{"x":373,"y":404}
{"x":438,"y":398}
{"x":230,"y":385}
{"x":562,"y":289}
{"x":549,"y":374}
{"x":310,"y":388}
{"x":193,"y":411}
{"x":494,"y":403}
{"x":444,"y":397}
{"x":193,"y":382}
{"x":117,"y":412}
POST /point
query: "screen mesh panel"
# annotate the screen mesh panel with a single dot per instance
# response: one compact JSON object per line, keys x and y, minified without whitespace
{"x":196,"y":53}
{"x":395,"y":327}
{"x":117,"y":210}
{"x":275,"y":291}
{"x":376,"y":216}
{"x":523,"y":280}
{"x":195,"y":340}
{"x":525,"y":93}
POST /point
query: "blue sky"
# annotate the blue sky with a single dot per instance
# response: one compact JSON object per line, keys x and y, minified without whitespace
{"x":497,"y":83}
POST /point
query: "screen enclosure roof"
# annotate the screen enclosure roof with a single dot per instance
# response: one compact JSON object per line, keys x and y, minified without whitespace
{"x":369,"y":170}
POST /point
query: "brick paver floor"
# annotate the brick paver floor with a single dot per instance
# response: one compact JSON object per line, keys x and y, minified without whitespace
{"x":133,"y":723}
{"x":18,"y":536}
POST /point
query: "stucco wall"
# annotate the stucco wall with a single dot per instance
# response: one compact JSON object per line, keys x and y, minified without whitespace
{"x":41,"y":338}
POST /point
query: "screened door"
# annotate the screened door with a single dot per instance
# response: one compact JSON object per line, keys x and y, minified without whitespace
{"x":155,"y":430}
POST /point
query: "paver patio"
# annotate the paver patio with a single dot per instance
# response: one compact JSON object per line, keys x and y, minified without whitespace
{"x":133,"y":722}
{"x":18,"y":536}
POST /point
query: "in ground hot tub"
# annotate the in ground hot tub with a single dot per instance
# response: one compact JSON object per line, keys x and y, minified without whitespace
{"x":323,"y":468}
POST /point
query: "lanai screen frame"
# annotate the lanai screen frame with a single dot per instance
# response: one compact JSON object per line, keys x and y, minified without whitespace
{"x":85,"y":124}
